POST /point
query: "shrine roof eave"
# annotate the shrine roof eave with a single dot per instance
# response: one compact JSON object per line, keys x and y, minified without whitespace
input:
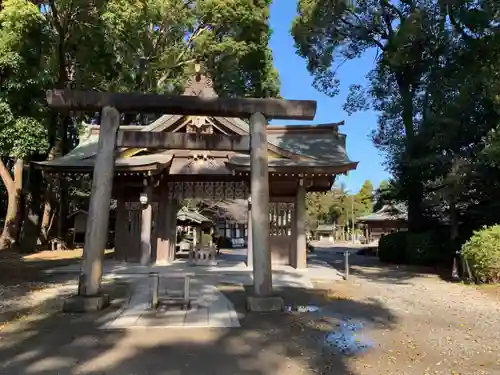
{"x":388,"y":213}
{"x":300,"y":167}
{"x":192,"y":216}
{"x":374,"y":219}
{"x":132,"y":165}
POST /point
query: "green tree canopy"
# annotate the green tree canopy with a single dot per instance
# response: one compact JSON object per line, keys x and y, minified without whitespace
{"x":117,"y":45}
{"x":364,"y":198}
{"x":425,"y":84}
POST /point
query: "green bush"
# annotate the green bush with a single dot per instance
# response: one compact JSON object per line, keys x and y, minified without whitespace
{"x":426,"y":248}
{"x":225,"y":243}
{"x":482,"y":252}
{"x":420,"y":249}
{"x":391,"y":247}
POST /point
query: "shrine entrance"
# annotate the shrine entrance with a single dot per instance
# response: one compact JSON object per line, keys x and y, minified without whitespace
{"x":218,"y":148}
{"x":166,"y":203}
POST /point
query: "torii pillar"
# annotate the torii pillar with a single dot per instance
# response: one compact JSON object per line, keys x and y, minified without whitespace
{"x":262,"y":300}
{"x":89,"y":296}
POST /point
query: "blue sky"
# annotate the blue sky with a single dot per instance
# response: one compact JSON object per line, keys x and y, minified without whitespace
{"x":296,"y":83}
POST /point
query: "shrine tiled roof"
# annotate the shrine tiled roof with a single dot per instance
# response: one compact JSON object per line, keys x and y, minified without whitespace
{"x":387,"y":213}
{"x":318,"y":147}
{"x":186,"y":214}
{"x":340,"y":165}
{"x":140,"y":163}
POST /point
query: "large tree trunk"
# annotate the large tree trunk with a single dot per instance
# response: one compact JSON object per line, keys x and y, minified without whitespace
{"x":62,"y":215}
{"x":47,"y":207}
{"x":14,"y":186}
{"x":31,"y":222}
{"x":55,"y":193}
{"x":62,"y":185}
{"x":411,"y":175}
{"x":55,"y":184}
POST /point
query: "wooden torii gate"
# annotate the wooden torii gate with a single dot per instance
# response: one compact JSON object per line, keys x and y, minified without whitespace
{"x":259,"y":111}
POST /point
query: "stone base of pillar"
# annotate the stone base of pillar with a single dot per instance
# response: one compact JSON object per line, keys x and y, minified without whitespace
{"x":82,"y":304}
{"x":265,"y":304}
{"x":162,"y":262}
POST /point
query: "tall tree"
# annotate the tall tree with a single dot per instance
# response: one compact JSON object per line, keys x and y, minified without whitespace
{"x":156,"y":43}
{"x":387,"y":193}
{"x":122,"y":45}
{"x":364,"y":198}
{"x":412,"y":39}
{"x":23,"y":130}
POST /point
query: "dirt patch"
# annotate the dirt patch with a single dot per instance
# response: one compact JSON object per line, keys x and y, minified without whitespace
{"x":441,"y":328}
{"x":55,"y":255}
{"x":306,"y":332}
{"x":26,"y":289}
{"x":492,"y":291}
{"x":49,"y":301}
{"x":420,"y":326}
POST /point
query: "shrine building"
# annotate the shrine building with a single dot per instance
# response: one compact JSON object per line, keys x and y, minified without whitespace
{"x":150,"y":184}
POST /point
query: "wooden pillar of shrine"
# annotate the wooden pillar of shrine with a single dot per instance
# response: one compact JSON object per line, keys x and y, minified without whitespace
{"x":161,"y":257}
{"x":146,"y":224}
{"x":259,"y":177}
{"x":121,"y":229}
{"x":96,"y":235}
{"x":173,"y":208}
{"x":299,"y":254}
{"x":173,"y":227}
{"x":166,"y":226}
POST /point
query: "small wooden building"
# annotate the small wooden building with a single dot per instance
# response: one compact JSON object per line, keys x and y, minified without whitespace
{"x":301,"y":158}
{"x":192,"y":218}
{"x":389,"y":219}
{"x":325,"y":232}
{"x":192,"y":223}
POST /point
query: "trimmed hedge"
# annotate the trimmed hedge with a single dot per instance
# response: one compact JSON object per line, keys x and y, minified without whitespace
{"x":391,"y":247}
{"x":225,"y":243}
{"x":422,"y":249}
{"x":482,"y":251}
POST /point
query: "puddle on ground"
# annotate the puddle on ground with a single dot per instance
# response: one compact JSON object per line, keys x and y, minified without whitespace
{"x":302,"y":309}
{"x":345,"y":335}
{"x":347,"y":338}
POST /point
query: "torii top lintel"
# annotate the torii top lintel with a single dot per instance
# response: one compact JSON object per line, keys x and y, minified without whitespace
{"x":271,"y":108}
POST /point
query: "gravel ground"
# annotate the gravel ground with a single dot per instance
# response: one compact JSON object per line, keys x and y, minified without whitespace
{"x":31,"y":294}
{"x":25,"y":288}
{"x":418,"y":325}
{"x":439,"y":327}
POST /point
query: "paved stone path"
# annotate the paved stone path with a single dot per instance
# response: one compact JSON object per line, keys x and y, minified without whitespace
{"x":209,"y":308}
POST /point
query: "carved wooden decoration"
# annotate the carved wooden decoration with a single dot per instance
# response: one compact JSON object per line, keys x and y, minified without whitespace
{"x":199,"y":162}
{"x":199,"y":125}
{"x":208,"y":190}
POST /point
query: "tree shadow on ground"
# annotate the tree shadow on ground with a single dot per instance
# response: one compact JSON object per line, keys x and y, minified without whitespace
{"x":14,"y":268}
{"x":279,"y":343}
{"x":20,"y":277}
{"x":369,"y":267}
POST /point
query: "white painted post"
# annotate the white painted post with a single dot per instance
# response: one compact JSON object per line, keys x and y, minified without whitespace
{"x":346,"y":265}
{"x":154,"y":282}
{"x":187,"y":298}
